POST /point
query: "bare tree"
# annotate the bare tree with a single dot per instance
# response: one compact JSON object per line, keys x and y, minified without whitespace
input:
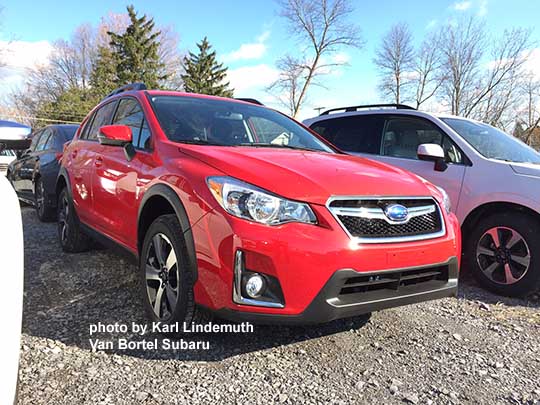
{"x":395,"y":58}
{"x":529,"y":115}
{"x":462,"y":48}
{"x":501,"y":81}
{"x":321,"y":28}
{"x":428,"y":77}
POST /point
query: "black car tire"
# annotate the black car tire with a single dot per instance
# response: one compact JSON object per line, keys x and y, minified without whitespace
{"x":44,"y":210}
{"x":166,"y":230}
{"x":507,"y":225}
{"x":70,"y":235}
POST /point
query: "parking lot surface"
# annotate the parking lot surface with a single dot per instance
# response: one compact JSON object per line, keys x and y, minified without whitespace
{"x":478,"y":348}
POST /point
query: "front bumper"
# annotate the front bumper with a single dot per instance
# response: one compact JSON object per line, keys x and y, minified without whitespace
{"x":310,"y":262}
{"x":329,"y":304}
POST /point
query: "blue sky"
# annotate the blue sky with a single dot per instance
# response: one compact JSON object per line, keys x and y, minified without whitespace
{"x":250,"y":36}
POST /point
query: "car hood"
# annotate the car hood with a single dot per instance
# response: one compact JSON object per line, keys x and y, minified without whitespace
{"x":309,"y":176}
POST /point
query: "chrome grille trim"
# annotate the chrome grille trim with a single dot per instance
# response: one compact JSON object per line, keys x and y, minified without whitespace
{"x":378,"y":213}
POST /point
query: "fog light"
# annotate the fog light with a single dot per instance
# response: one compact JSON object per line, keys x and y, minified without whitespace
{"x":255,"y":286}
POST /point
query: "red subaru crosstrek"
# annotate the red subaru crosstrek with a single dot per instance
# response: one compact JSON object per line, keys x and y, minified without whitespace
{"x":235,"y":208}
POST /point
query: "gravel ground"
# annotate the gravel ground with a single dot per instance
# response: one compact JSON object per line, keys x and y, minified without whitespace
{"x":478,"y":348}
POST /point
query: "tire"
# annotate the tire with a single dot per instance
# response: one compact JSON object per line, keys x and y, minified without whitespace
{"x":70,"y":235}
{"x":168,"y":275}
{"x":511,"y":265}
{"x":44,"y":210}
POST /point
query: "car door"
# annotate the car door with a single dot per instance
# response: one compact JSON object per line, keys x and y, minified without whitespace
{"x":82,"y":157}
{"x":16,"y":175}
{"x":47,"y":165}
{"x":29,"y":165}
{"x":394,"y":139}
{"x":115,"y":180}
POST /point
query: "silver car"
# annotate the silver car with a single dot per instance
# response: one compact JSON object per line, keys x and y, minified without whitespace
{"x":492,"y":179}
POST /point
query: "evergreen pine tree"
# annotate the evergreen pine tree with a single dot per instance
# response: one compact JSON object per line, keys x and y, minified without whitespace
{"x":136,"y":51}
{"x":103,"y":78}
{"x":204,"y":74}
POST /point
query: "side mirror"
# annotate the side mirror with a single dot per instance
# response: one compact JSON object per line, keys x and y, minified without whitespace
{"x":432,"y":152}
{"x":117,"y":135}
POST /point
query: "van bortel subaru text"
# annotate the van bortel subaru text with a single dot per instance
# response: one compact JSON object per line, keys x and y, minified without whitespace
{"x":238,"y":210}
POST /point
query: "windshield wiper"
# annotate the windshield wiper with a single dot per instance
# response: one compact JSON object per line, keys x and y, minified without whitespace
{"x":271,"y":145}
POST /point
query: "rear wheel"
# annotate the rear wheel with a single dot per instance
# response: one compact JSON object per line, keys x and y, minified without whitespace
{"x":503,"y":252}
{"x":70,"y":235}
{"x":44,"y":210}
{"x":167,"y":275}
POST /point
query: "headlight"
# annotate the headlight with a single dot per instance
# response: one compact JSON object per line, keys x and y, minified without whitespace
{"x":249,"y":202}
{"x":446,"y":199}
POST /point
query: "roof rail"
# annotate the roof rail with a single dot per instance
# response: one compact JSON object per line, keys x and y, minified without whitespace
{"x":249,"y":100}
{"x":358,"y":107}
{"x":127,"y":87}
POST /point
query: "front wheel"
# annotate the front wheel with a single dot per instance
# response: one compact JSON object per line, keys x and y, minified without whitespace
{"x":503,"y":251}
{"x":167,"y":276}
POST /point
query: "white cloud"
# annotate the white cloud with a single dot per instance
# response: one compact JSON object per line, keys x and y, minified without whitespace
{"x":432,"y":24}
{"x":462,"y":5}
{"x":483,"y":9}
{"x":19,"y":56}
{"x":248,"y":79}
{"x":253,"y":50}
{"x":532,"y":64}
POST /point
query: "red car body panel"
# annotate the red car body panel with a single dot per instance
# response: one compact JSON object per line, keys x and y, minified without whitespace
{"x":108,"y":190}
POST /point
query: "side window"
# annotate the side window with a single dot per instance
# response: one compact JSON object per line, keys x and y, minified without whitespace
{"x":144,"y":138}
{"x":35,"y":139}
{"x":101,"y":117}
{"x":129,"y":113}
{"x":43,"y":140}
{"x":360,"y":133}
{"x":51,"y":140}
{"x":86,"y":127}
{"x":402,"y":135}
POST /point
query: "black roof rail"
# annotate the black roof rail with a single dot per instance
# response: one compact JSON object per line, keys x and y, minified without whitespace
{"x":249,"y":100}
{"x":127,"y":87}
{"x":358,"y":107}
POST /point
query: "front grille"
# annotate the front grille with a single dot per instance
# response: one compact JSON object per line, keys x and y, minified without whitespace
{"x":395,"y":280}
{"x":366,"y":221}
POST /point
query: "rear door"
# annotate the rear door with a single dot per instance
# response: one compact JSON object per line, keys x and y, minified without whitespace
{"x":82,"y":154}
{"x":18,"y":175}
{"x":115,"y":180}
{"x":394,"y":139}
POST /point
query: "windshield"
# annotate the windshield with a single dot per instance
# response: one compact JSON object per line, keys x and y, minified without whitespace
{"x":227,"y":123}
{"x":493,"y":143}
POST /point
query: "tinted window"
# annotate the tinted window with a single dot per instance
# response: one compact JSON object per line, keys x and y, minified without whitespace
{"x":35,"y":139}
{"x":102,"y":117}
{"x":67,"y":132}
{"x":402,"y":135}
{"x":361,"y":133}
{"x":43,"y":140}
{"x":129,"y":113}
{"x":86,"y":127}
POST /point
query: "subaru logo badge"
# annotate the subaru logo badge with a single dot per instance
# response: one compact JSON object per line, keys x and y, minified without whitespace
{"x":396,"y":212}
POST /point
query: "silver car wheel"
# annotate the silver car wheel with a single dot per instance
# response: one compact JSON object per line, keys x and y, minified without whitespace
{"x":503,"y":255}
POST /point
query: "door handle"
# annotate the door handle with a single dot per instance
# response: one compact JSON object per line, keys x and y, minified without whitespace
{"x":99,"y":161}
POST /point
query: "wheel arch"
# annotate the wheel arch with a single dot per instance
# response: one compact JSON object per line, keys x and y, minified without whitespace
{"x":62,"y":181}
{"x":491,"y":208}
{"x":158,"y":200}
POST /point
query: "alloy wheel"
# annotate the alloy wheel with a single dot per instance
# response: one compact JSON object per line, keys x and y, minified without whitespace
{"x":40,"y":199}
{"x":63,"y":215}
{"x":162,"y":276}
{"x":503,"y":255}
